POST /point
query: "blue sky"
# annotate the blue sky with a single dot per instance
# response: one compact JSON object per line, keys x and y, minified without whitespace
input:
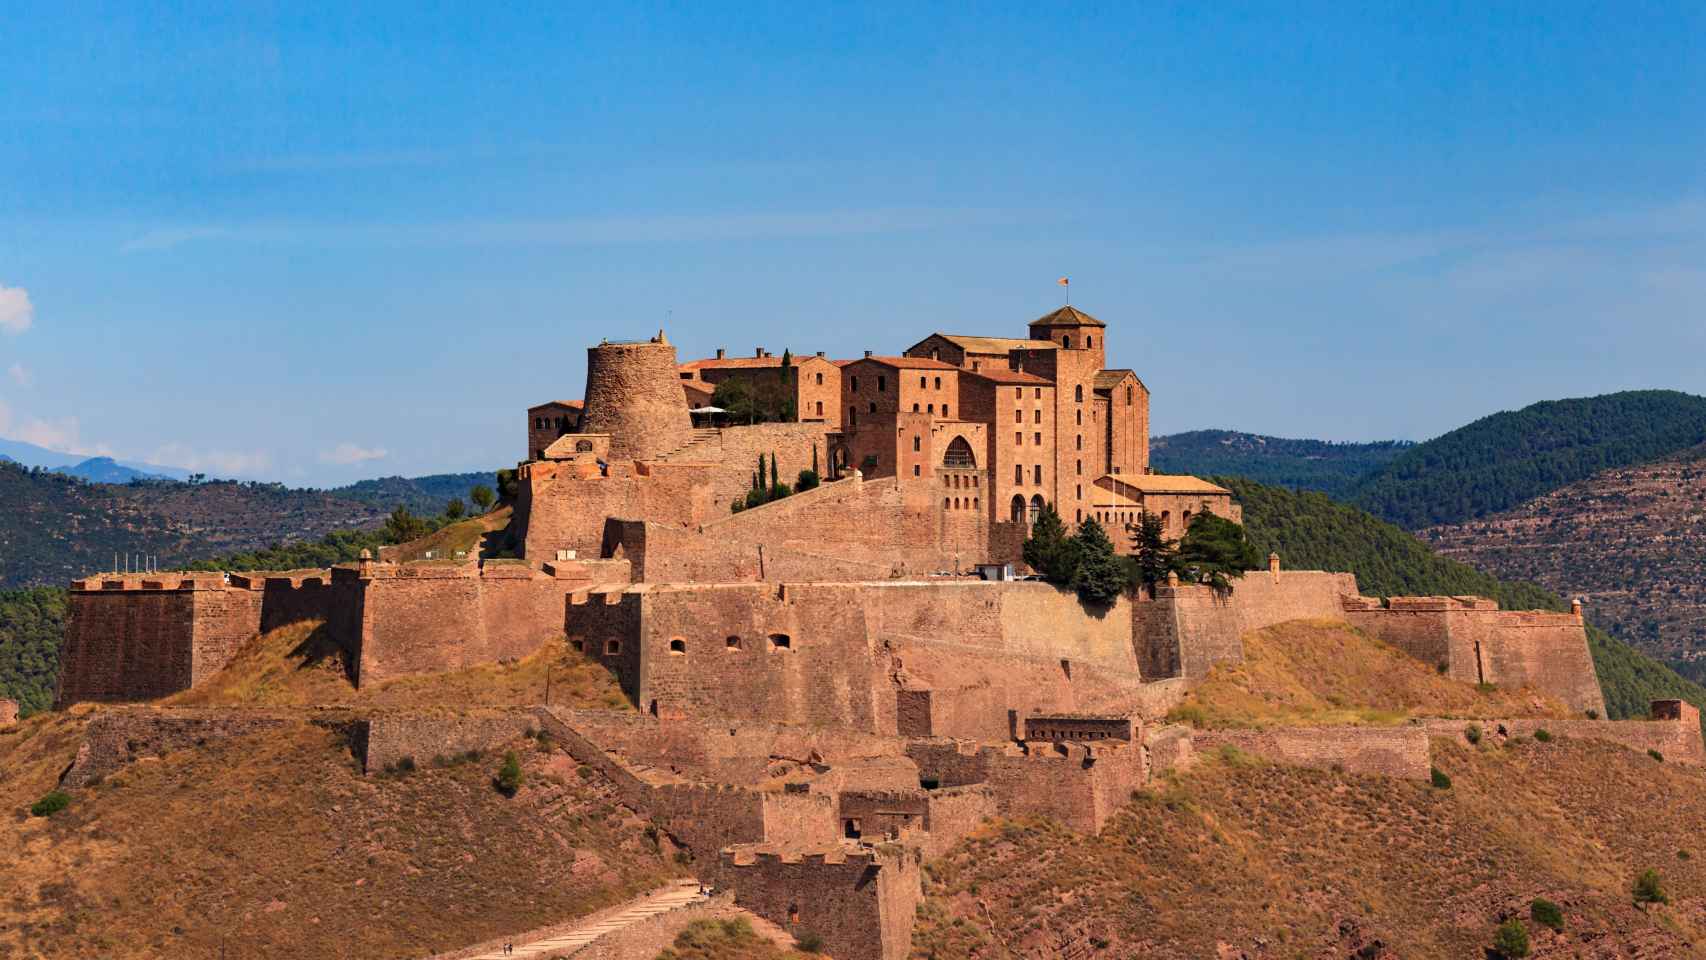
{"x":315,"y":243}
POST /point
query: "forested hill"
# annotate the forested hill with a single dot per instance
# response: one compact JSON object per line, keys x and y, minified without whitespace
{"x":423,"y":495}
{"x":1503,"y":460}
{"x":1311,"y":532}
{"x":1328,"y":466}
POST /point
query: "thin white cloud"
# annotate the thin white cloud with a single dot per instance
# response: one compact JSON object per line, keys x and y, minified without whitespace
{"x":21,"y":375}
{"x":230,"y":463}
{"x":16,"y":311}
{"x":350,"y":453}
{"x":63,"y":435}
{"x":587,"y":231}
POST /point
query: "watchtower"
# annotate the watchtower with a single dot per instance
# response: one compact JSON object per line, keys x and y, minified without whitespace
{"x":633,"y":393}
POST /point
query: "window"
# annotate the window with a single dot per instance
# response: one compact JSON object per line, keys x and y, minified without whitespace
{"x":1037,"y":415}
{"x":959,"y":454}
{"x":1128,"y":396}
{"x":1018,"y":393}
{"x":1080,"y":468}
{"x":1019,"y":474}
{"x":820,"y":379}
{"x":1078,"y":393}
{"x":678,"y":646}
{"x":855,"y":384}
{"x":944,"y":503}
{"x":1037,"y":471}
{"x":731,"y":643}
{"x":1017,"y":510}
{"x":820,"y":408}
{"x":1081,"y":418}
{"x":1089,"y":341}
{"x":916,"y":444}
{"x":1080,"y":441}
{"x":1018,"y":438}
{"x":1186,"y":519}
{"x":1039,"y":392}
{"x":915,"y":469}
{"x":923,"y":382}
{"x":930,"y":407}
{"x":915,"y":408}
{"x":974,"y":503}
{"x":1066,"y":342}
{"x":873,"y":406}
{"x":938,"y":383}
{"x":882,"y":383}
{"x":1036,"y":506}
{"x":1166,"y":518}
{"x":1077,"y":516}
{"x":578,"y":643}
{"x":1037,"y":439}
{"x":612,"y":647}
{"x":944,"y":411}
{"x":781,"y":641}
{"x":956,"y":503}
{"x":1018,"y":416}
{"x":935,"y":354}
{"x":852,"y":416}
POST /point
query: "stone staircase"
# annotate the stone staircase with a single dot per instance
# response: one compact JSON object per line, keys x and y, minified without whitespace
{"x":703,"y":441}
{"x":567,"y":944}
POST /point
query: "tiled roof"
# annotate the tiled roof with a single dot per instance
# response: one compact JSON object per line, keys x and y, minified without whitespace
{"x":1162,"y":483}
{"x":577,"y":404}
{"x":1004,"y":375}
{"x":904,"y":363}
{"x":1066,"y":317}
{"x":995,"y":344}
{"x":744,"y":363}
{"x":1109,"y":379}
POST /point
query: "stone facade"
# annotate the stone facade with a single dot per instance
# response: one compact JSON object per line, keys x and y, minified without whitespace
{"x":633,"y":393}
{"x":550,"y":420}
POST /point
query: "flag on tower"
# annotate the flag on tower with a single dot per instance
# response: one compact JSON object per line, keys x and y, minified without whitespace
{"x":1062,"y":281}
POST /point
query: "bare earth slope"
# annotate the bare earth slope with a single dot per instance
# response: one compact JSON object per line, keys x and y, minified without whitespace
{"x":1631,"y":539}
{"x":1284,"y":862}
{"x":275,"y":845}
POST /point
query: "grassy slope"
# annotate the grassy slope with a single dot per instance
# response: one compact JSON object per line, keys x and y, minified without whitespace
{"x":1510,"y":457}
{"x":297,"y":666}
{"x":275,"y":845}
{"x":1314,"y":672}
{"x":1313,"y":863}
{"x":1310,"y":531}
{"x":724,"y":940}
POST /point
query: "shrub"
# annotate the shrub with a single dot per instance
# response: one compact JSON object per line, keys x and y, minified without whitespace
{"x":1546,"y":913}
{"x":1472,"y":733}
{"x":1649,"y":888}
{"x":1439,"y":778}
{"x":584,"y":772}
{"x":809,"y":942}
{"x":1593,"y":714}
{"x":807,"y":480}
{"x":1543,"y":735}
{"x":50,"y":804}
{"x":1511,"y":940}
{"x":1656,"y":755}
{"x":1682,"y":855}
{"x":509,"y":775}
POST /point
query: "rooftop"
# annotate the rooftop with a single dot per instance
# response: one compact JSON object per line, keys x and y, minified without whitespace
{"x":1160,"y":483}
{"x":744,"y":363}
{"x":999,"y":345}
{"x":1109,"y":379}
{"x":1004,"y":375}
{"x":576,"y":404}
{"x":1067,"y":317}
{"x":903,"y":363}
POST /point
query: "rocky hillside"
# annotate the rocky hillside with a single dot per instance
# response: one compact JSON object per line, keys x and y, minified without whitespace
{"x":1632,"y":540}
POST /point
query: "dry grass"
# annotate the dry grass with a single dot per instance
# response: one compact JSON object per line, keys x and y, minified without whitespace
{"x":731,"y":939}
{"x":1286,"y":862}
{"x":274,"y":845}
{"x":1327,"y":672}
{"x":298,"y":665}
{"x":465,"y":535}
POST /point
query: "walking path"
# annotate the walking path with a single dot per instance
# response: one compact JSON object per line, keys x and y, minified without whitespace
{"x":568,"y":943}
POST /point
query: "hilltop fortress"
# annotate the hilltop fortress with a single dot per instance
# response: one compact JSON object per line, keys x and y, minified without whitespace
{"x":824,"y":693}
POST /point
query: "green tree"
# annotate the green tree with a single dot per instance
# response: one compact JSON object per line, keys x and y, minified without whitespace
{"x":1649,"y":888}
{"x":509,"y":775}
{"x":806,"y":481}
{"x":1511,"y":940}
{"x":482,"y":497}
{"x":775,"y":481}
{"x":1048,"y":550}
{"x":508,"y":485}
{"x":1156,"y":555}
{"x":403,"y":526}
{"x":1215,"y":551}
{"x":454,"y":509}
{"x":1099,"y":577}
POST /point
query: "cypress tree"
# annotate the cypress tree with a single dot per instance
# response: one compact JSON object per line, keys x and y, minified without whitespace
{"x":1098,"y":576}
{"x":774,"y":479}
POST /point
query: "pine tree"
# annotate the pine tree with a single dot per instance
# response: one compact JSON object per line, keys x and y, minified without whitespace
{"x":1156,"y":554}
{"x":1048,"y":551}
{"x":774,"y":480}
{"x":1216,"y":552}
{"x":1098,"y":575}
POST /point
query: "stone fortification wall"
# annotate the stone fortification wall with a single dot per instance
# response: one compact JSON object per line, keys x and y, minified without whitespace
{"x":1186,"y":629}
{"x":851,"y":529}
{"x":1379,"y":751}
{"x":740,"y":753}
{"x":735,"y":451}
{"x":966,"y":653}
{"x":384,"y":739}
{"x":1673,"y":730}
{"x":118,"y":737}
{"x":633,"y":393}
{"x":859,"y":900}
{"x":141,"y":637}
{"x":1076,"y":784}
{"x":565,"y":506}
{"x":1476,"y":642}
{"x":400,"y":619}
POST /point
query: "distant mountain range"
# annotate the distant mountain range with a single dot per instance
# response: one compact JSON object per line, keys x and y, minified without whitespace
{"x":93,"y":469}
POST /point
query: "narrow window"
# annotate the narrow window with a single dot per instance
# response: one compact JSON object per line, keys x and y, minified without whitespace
{"x":820,"y":379}
{"x":923,"y":382}
{"x":1080,"y":495}
{"x":731,"y":643}
{"x":1018,"y":416}
{"x":974,"y":502}
{"x":882,"y":383}
{"x":1077,"y":516}
{"x":781,"y":641}
{"x":1018,"y":438}
{"x":916,"y":445}
{"x":1081,"y":418}
{"x":1037,"y":415}
{"x":938,"y":383}
{"x":1038,"y":469}
{"x":1080,"y":468}
{"x":1037,"y":439}
{"x":1018,"y":393}
{"x":1078,"y":393}
{"x":1128,"y":396}
{"x":1066,"y":342}
{"x":678,"y":646}
{"x":1039,"y":393}
{"x":820,"y":408}
{"x":612,"y":647}
{"x":1089,"y":341}
{"x":944,"y":411}
{"x":915,"y":408}
{"x":855,"y":384}
{"x":1080,"y":441}
{"x":915,"y":469}
{"x":873,"y":407}
{"x":930,"y":408}
{"x":944,"y":503}
{"x":1019,"y":474}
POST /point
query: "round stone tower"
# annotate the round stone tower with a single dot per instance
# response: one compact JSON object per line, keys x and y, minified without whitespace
{"x":633,"y":393}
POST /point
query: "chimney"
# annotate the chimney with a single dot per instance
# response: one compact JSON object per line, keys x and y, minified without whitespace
{"x":1273,"y":566}
{"x":867,"y":353}
{"x":720,"y":353}
{"x":758,"y":353}
{"x":820,"y":353}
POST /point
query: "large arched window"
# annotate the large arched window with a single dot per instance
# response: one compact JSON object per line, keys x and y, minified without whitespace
{"x":1036,"y":507}
{"x":1018,"y":510}
{"x":959,"y":454}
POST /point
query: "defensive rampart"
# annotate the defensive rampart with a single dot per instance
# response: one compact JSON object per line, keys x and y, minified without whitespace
{"x":860,"y":901}
{"x":386,"y":739}
{"x":1474,"y":641}
{"x":1378,"y":751}
{"x":1672,"y":729}
{"x":1187,"y":628}
{"x":118,"y":737}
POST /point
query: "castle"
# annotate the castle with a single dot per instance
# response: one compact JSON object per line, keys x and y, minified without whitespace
{"x":823,"y":695}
